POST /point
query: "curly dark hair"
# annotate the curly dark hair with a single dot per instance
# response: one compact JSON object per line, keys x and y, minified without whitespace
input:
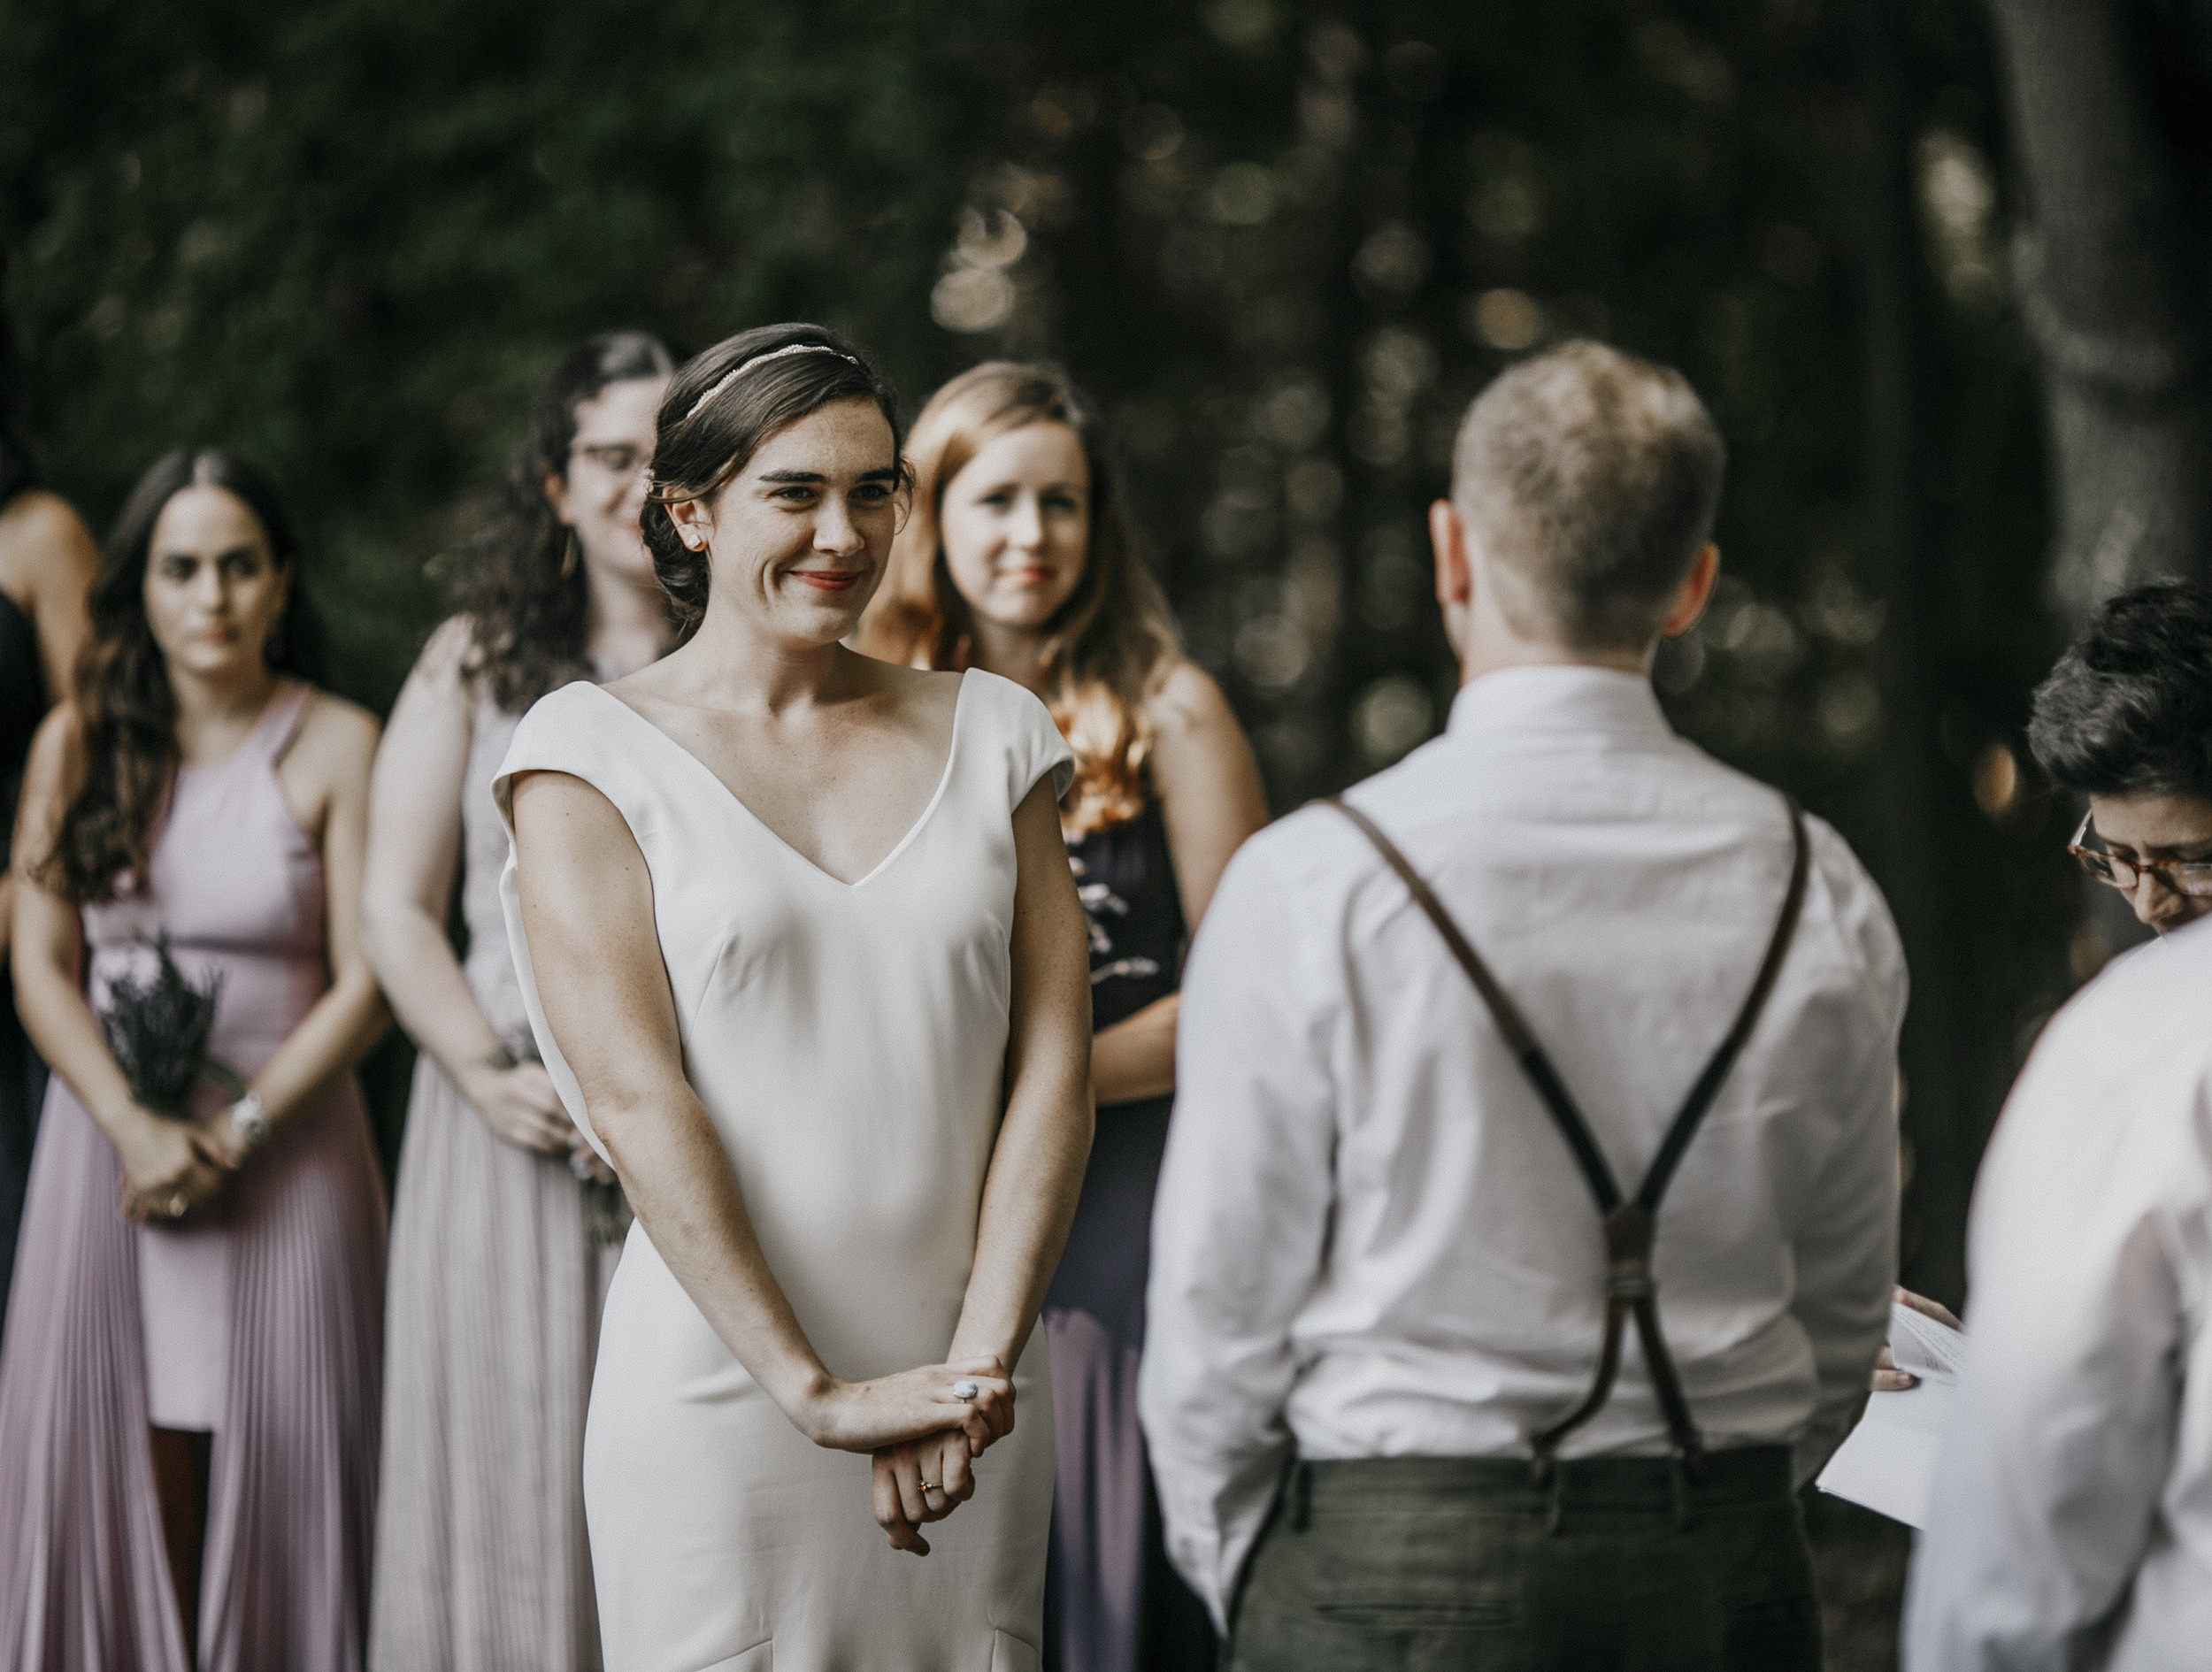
{"x":528,"y":607}
{"x":125,"y":708}
{"x":700,"y":444}
{"x":2128,"y":709}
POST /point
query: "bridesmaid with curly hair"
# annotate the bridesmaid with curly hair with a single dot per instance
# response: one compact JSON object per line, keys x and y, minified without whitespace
{"x":506,"y":1226}
{"x":187,"y":1390}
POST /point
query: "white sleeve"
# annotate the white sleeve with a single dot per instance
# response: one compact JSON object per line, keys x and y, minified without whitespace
{"x":2063,"y":1430}
{"x":1845,"y":1259}
{"x":1037,"y":746}
{"x":1238,"y":1227}
{"x":1844,"y":1246}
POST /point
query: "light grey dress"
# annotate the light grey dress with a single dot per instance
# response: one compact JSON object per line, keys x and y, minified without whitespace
{"x":498,"y":1268}
{"x":848,"y":1042}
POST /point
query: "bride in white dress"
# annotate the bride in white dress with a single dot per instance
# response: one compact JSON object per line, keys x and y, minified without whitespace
{"x":802,"y":952}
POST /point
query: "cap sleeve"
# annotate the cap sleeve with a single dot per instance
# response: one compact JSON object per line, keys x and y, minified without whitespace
{"x":1035,"y":746}
{"x":561,"y":732}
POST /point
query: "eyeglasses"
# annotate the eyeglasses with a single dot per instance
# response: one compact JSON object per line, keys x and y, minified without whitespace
{"x":618,"y":459}
{"x":2190,"y":877}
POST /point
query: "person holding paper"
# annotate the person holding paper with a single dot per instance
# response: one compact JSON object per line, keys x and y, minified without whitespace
{"x":1379,"y":1281}
{"x":1890,"y":1376}
{"x":2070,"y":1520}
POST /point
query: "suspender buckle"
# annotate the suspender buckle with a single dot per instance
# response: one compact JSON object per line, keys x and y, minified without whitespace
{"x":1628,"y":1233}
{"x":1629,"y":1280}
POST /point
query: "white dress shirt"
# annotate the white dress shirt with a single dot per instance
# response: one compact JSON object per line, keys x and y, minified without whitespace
{"x":1369,"y":1239}
{"x":2070,"y":1523}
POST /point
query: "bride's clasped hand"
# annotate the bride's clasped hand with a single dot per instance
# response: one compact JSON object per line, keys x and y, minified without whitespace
{"x":923,"y":1428}
{"x":973,"y":1397}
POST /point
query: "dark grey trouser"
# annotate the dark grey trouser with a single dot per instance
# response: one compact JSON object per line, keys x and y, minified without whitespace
{"x":1425,"y":1564}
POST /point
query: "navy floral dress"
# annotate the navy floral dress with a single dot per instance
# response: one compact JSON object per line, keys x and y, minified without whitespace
{"x":1112,"y":1602}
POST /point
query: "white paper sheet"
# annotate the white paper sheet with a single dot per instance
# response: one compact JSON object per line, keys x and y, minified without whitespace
{"x":1888,"y":1464}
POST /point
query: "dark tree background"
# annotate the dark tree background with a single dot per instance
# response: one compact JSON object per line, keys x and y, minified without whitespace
{"x":1933,"y":265}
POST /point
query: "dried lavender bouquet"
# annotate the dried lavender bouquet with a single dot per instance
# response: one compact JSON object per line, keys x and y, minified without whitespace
{"x":158,"y":1030}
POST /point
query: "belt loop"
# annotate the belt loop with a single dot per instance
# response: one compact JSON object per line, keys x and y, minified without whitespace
{"x":1555,"y":1517}
{"x":1679,"y":1468}
{"x":1301,"y":1495}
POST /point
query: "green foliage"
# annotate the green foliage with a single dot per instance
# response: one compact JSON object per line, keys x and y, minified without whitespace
{"x":349,"y":240}
{"x":1286,"y":244}
{"x":1286,"y":241}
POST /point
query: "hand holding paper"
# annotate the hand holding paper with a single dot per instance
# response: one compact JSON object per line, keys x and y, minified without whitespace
{"x":1887,"y":1462}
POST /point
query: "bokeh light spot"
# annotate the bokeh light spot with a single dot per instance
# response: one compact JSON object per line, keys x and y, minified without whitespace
{"x":971,"y":299}
{"x":1508,"y":320}
{"x":1391,"y":716}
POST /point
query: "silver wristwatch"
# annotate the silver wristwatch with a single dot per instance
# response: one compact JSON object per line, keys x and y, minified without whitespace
{"x":249,"y":1121}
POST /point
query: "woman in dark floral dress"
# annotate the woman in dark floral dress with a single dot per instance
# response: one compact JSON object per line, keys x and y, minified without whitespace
{"x":1018,"y":560}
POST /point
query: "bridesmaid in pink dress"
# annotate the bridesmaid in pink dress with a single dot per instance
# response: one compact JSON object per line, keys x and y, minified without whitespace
{"x":188,"y":1382}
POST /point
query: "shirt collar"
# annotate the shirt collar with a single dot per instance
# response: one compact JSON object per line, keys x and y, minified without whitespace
{"x":1558,"y":700}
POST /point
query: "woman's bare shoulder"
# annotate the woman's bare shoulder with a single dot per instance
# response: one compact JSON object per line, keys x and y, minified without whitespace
{"x":55,"y":744}
{"x":452,"y":657}
{"x":920,"y":696}
{"x":41,"y":534}
{"x":337,"y":733}
{"x":1184,"y":701}
{"x":894,"y":676}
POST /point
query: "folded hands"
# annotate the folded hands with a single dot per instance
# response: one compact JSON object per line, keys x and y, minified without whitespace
{"x":923,"y":1429}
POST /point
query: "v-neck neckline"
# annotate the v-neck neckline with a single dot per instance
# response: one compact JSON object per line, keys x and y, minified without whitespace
{"x":944,"y":779}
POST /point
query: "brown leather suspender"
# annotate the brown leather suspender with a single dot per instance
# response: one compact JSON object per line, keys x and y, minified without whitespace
{"x":1629,"y":1287}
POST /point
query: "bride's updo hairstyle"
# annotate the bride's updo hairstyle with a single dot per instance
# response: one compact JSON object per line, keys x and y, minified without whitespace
{"x":721,"y":407}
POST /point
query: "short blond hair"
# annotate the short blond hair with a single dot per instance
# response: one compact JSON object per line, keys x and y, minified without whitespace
{"x":1591,"y":477}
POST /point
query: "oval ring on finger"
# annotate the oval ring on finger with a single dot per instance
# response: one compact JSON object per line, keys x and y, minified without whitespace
{"x":177,"y":1206}
{"x":965,"y":1390}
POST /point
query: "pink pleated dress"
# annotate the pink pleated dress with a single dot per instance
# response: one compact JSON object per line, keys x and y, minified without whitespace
{"x":259,"y":1317}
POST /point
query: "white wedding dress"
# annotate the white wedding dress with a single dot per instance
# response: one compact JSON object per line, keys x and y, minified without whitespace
{"x":848,"y":1042}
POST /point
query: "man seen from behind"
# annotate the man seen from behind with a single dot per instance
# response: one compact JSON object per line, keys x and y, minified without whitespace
{"x":1401,"y":1217}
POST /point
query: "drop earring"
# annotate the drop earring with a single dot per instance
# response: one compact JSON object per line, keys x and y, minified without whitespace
{"x":569,"y":557}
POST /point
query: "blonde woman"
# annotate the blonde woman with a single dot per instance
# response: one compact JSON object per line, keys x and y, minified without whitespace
{"x":1018,"y":559}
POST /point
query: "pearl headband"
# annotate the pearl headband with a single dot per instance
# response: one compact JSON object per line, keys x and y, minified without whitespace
{"x":743,"y":366}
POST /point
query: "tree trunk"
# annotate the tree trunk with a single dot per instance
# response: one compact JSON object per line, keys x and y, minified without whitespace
{"x":1923,"y":799}
{"x":2102,"y":264}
